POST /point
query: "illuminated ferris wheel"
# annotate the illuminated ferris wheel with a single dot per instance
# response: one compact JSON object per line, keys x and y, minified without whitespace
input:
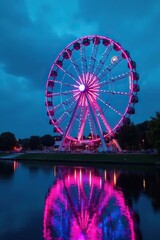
{"x":91,"y":91}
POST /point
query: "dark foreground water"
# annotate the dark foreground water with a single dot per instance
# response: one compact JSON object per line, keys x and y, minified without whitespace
{"x":40,"y":201}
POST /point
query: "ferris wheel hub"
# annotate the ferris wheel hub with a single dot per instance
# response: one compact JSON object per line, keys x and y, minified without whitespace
{"x":82,"y":87}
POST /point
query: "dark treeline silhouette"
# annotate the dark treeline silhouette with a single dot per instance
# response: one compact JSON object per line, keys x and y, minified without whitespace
{"x":9,"y":142}
{"x":134,"y":137}
{"x":144,"y":136}
{"x":36,"y":142}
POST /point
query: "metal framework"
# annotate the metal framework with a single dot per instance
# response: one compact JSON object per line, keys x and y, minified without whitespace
{"x":91,"y":91}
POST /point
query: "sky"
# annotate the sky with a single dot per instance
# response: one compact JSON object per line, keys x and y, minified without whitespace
{"x":32,"y":34}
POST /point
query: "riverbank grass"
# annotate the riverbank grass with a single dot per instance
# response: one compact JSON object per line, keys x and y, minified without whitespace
{"x":102,"y":157}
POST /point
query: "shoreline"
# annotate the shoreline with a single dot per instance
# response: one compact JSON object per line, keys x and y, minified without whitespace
{"x":88,"y":158}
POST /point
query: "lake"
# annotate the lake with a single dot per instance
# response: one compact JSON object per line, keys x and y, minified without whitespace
{"x":53,"y":202}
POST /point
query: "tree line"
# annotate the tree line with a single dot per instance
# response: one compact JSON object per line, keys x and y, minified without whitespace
{"x":8,"y":142}
{"x":131,"y":137}
{"x":144,"y":136}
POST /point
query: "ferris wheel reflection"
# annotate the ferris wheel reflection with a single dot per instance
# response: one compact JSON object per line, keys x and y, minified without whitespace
{"x":84,"y":204}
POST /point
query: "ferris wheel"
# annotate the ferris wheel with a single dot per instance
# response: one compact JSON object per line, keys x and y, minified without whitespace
{"x":91,"y":91}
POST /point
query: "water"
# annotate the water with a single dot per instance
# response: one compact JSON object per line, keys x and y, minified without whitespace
{"x":40,"y":201}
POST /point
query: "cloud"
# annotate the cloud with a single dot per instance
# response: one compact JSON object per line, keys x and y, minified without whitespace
{"x":34,"y":33}
{"x":135,"y":24}
{"x":27,"y":46}
{"x":22,"y":109}
{"x":132,"y":23}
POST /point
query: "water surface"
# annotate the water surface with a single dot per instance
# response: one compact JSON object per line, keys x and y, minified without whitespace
{"x":49,"y":202}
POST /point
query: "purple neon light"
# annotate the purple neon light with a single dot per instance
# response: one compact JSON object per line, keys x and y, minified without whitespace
{"x":87,"y":214}
{"x":87,"y":79}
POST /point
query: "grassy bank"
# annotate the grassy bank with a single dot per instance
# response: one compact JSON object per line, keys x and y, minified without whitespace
{"x":95,"y":158}
{"x":3,"y":154}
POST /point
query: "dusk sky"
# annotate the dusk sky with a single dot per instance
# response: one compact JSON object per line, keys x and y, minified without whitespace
{"x":32,"y":33}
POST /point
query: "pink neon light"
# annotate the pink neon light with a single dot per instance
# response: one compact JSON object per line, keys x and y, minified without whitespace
{"x":82,"y":87}
{"x":86,"y":82}
{"x":91,"y":87}
{"x":85,"y":220}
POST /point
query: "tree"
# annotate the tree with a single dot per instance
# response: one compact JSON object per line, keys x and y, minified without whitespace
{"x":34,"y":142}
{"x":128,"y":137}
{"x":157,"y":145}
{"x":47,"y":140}
{"x":7,"y":141}
{"x":143,"y":141}
{"x":25,"y":143}
{"x":153,"y":133}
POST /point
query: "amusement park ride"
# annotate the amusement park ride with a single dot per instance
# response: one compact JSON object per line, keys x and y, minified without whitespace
{"x":91,"y":92}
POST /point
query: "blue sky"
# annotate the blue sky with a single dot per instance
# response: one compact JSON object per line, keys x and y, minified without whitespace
{"x":34,"y":32}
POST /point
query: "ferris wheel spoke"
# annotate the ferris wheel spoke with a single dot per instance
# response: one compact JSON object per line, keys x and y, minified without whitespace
{"x":66,"y":84}
{"x":75,"y":66}
{"x":61,"y":119}
{"x":63,"y":93}
{"x":109,"y":105}
{"x":91,"y":125}
{"x":103,"y":59}
{"x":64,"y":103}
{"x":70,"y":123}
{"x":93,"y":58}
{"x":67,"y":73}
{"x":80,"y":122}
{"x":64,"y":116}
{"x":115,"y":92}
{"x":109,"y":68}
{"x":83,"y":58}
{"x":115,"y":79}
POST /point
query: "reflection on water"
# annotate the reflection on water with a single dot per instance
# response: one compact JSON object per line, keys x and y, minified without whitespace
{"x":85,"y":204}
{"x":48,"y":202}
{"x":7,"y":168}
